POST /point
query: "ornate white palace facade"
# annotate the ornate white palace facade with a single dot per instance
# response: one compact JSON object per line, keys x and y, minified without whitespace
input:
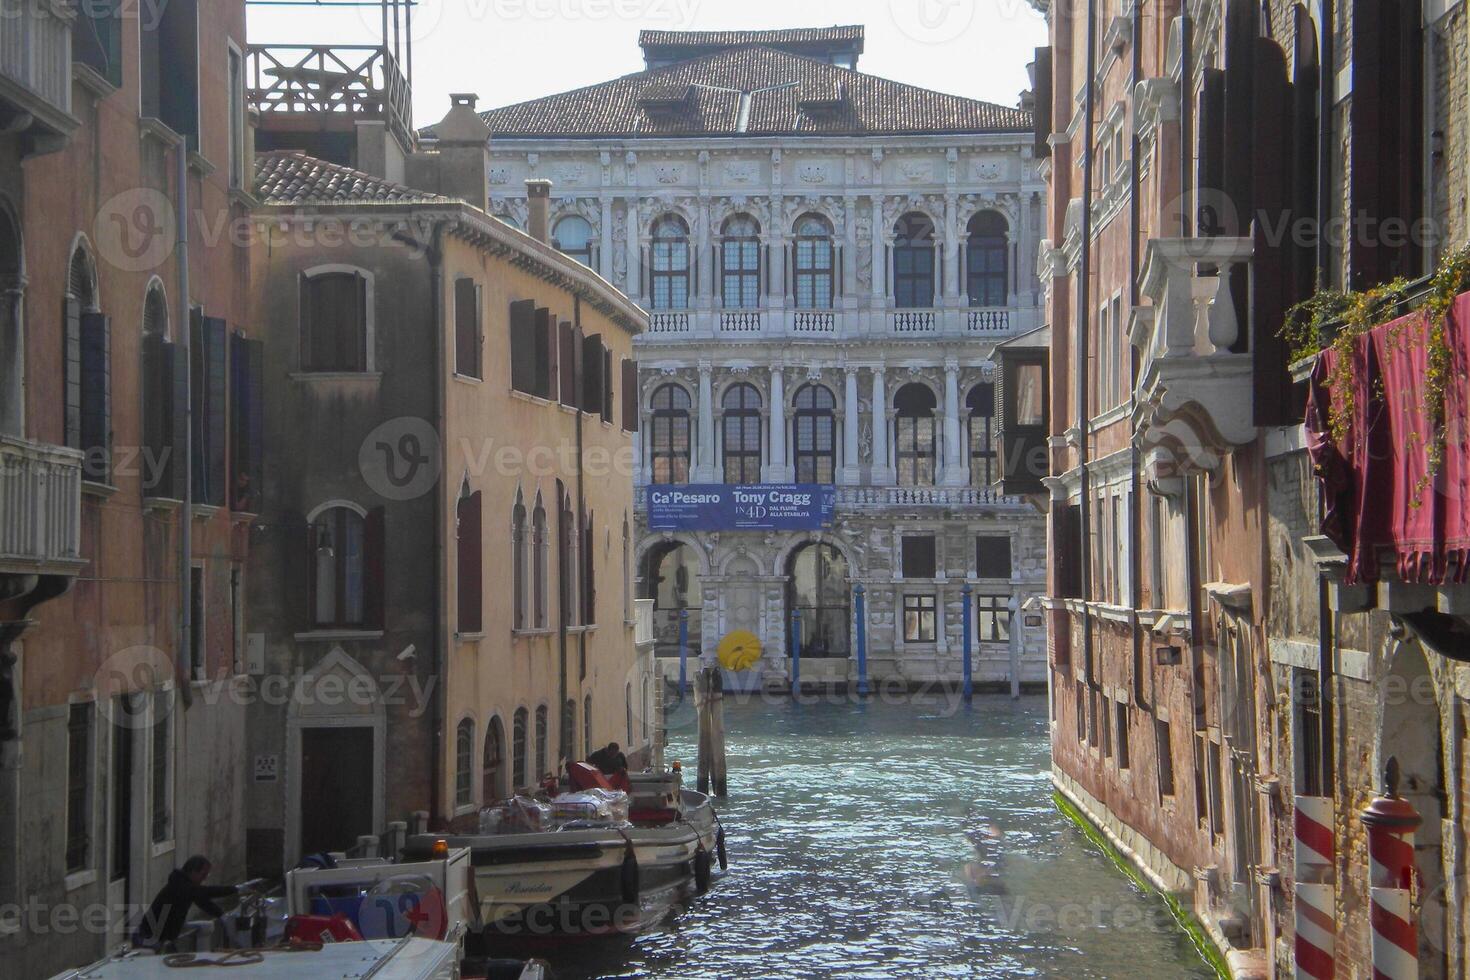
{"x":829,"y":259}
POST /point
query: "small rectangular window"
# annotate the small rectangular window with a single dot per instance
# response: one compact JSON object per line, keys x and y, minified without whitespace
{"x":993,"y":556}
{"x":1307,"y":721}
{"x":79,"y":786}
{"x":1165,"y":745}
{"x":236,"y":70}
{"x":919,"y":559}
{"x":1081,"y":712}
{"x":334,"y":313}
{"x":467,"y":338}
{"x":1120,"y":715}
{"x":196,"y":627}
{"x":919,"y":618}
{"x":159,"y":767}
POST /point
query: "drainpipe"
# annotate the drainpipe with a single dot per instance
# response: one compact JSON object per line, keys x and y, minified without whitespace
{"x":437,"y":654}
{"x":186,"y":458}
{"x":1135,"y":490}
{"x":1084,"y":294}
{"x":1326,"y":94}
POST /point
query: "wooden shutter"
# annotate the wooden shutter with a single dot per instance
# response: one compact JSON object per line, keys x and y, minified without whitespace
{"x":216,"y":410}
{"x":95,"y":371}
{"x":178,"y":421}
{"x":374,"y":567}
{"x":592,"y":374}
{"x":1270,"y":272}
{"x":1067,"y":551}
{"x":553,"y":358}
{"x":470,"y":549}
{"x":246,"y":422}
{"x":1041,"y":113}
{"x":1209,"y":175}
{"x":156,"y":413}
{"x":568,"y":365}
{"x":545,"y":344}
{"x":71,"y":368}
{"x":195,"y":421}
{"x":607,"y":385}
{"x":466,"y":328}
{"x":308,"y":562}
{"x":630,"y":395}
{"x":523,"y":346}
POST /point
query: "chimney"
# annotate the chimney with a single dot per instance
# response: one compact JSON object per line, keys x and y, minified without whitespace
{"x":538,"y":201}
{"x":464,"y":152}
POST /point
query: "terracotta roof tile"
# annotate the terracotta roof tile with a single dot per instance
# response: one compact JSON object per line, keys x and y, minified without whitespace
{"x":797,"y":35}
{"x":292,"y":177}
{"x":776,"y":82}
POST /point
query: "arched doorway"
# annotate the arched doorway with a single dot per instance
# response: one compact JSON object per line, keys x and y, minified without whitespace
{"x":1412,"y":735}
{"x":817,"y":587}
{"x":671,"y":579}
{"x":492,"y":765}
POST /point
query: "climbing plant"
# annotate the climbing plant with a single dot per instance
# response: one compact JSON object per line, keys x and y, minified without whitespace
{"x":1332,"y":320}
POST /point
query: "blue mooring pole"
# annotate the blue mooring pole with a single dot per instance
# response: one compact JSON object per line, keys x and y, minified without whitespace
{"x":795,"y":651}
{"x":862,"y":640}
{"x":683,"y":653}
{"x":969,"y":688}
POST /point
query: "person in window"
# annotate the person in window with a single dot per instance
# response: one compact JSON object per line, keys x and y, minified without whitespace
{"x":185,"y":888}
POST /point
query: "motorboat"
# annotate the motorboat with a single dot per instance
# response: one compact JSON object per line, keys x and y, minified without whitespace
{"x":588,"y":877}
{"x":409,"y":958}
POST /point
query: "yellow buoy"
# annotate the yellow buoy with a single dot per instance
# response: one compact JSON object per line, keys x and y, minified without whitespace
{"x":740,"y":650}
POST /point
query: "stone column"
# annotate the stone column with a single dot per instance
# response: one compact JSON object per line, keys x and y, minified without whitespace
{"x":880,"y":262}
{"x":703,"y":260}
{"x":704,"y":472}
{"x":850,"y":474}
{"x":605,"y":249}
{"x":953,"y":474}
{"x":951,"y":251}
{"x":848,"y":298}
{"x":778,"y":471}
{"x":1024,"y":276}
{"x":882,"y":471}
{"x":633,"y":276}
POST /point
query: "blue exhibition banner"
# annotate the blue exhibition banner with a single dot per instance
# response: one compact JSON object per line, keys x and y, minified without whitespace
{"x":721,"y":507}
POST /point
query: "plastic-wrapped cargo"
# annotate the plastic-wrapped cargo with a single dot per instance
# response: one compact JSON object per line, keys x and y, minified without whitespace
{"x":523,"y":815}
{"x":610,"y":806}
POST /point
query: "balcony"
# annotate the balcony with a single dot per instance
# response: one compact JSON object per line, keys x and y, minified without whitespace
{"x":35,"y":71}
{"x":1195,"y":390}
{"x":40,"y":509}
{"x":776,"y":323}
{"x":317,"y":86}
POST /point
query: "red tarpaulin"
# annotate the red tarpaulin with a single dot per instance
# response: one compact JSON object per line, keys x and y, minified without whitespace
{"x":1373,"y":506}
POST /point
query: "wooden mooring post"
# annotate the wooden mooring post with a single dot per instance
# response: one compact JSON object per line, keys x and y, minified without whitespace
{"x":709,"y":696}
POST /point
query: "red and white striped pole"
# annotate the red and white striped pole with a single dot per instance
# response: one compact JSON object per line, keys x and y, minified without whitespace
{"x":1391,"y":821}
{"x":1315,"y":895}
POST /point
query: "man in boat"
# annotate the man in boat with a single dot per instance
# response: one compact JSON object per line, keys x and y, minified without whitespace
{"x":613,"y":764}
{"x":185,"y":888}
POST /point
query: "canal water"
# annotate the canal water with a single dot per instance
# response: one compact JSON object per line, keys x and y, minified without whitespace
{"x":898,"y":840}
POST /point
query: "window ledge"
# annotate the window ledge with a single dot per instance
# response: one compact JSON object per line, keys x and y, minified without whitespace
{"x":162,"y":504}
{"x":470,"y":637}
{"x":465,"y":810}
{"x":80,"y":879}
{"x":199,"y":164}
{"x":102,"y":491}
{"x":204,"y":512}
{"x":245,"y":199}
{"x":328,"y":636}
{"x":468,"y":379}
{"x":160,"y":848}
{"x":152,"y":126}
{"x":526,"y":396}
{"x":88,"y":78}
{"x":532,"y":633}
{"x":336,"y":376}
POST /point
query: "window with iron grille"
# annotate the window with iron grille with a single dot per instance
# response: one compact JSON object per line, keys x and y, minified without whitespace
{"x":79,"y":729}
{"x":741,"y":430}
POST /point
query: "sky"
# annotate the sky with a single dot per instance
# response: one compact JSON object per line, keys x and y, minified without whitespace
{"x":508,"y":51}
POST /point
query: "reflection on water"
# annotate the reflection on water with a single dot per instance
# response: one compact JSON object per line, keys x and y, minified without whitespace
{"x":899,"y":840}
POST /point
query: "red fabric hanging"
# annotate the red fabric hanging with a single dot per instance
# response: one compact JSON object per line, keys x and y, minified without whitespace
{"x":1373,"y":507}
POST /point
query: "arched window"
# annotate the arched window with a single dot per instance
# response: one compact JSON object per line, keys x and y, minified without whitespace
{"x":155,"y":313}
{"x":740,"y":264}
{"x":492,"y":763}
{"x":815,"y":439}
{"x":573,"y":236}
{"x":540,"y":559}
{"x":817,"y":588}
{"x":915,"y":438}
{"x":587,"y":727}
{"x":518,"y":549}
{"x":541,"y":747}
{"x":670,"y":272}
{"x":81,"y":280}
{"x":518,"y":753}
{"x":670,"y":435}
{"x":568,"y":567}
{"x":985,"y":260}
{"x":814,"y":265}
{"x":464,"y":752}
{"x":981,"y":403}
{"x":338,"y":546}
{"x":334,"y":322}
{"x":742,"y":434}
{"x":913,"y":262}
{"x":671,"y":580}
{"x":469,"y":550}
